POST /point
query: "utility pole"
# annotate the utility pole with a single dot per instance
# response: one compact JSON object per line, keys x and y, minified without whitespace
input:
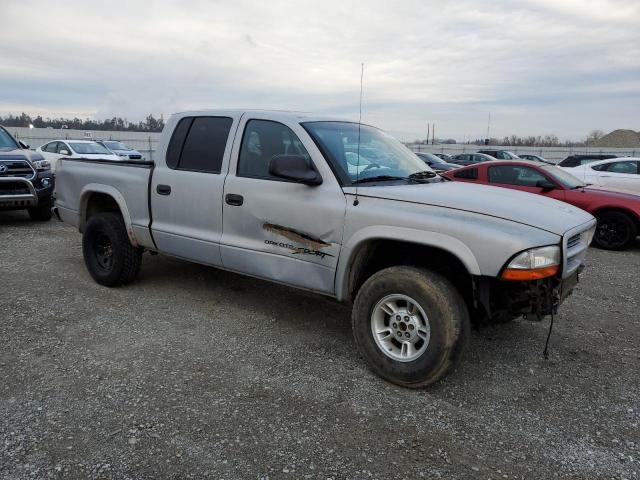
{"x":489,"y":128}
{"x":428,"y":133}
{"x":433,"y":134}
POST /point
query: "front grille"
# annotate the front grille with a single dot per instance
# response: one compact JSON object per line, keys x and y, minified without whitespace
{"x":16,"y":168}
{"x":573,"y":241}
{"x":135,"y":157}
{"x":14,"y":188}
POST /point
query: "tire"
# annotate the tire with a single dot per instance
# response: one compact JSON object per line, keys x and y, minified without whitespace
{"x":108,"y":253}
{"x":447,"y":321}
{"x":41,"y":213}
{"x":615,"y":231}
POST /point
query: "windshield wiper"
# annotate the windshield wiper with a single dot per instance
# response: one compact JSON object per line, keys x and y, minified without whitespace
{"x":417,"y":177}
{"x":423,"y":175}
{"x":379,"y":178}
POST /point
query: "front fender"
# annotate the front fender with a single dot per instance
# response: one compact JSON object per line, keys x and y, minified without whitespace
{"x":419,"y":237}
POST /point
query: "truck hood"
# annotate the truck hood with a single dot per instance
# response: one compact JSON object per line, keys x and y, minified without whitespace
{"x":20,"y":154}
{"x":521,"y":207}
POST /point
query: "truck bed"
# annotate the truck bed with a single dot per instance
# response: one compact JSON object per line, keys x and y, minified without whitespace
{"x":129,"y":180}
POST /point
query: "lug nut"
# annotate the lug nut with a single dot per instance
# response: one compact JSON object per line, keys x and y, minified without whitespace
{"x":395,"y":325}
{"x":411,"y":327}
{"x":406,"y":319}
{"x":399,"y":333}
{"x":398,"y":317}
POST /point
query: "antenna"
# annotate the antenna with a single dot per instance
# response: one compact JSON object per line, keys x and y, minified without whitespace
{"x":356,"y":201}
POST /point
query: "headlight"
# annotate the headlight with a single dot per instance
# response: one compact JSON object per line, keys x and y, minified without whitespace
{"x":41,"y":165}
{"x":123,"y":155}
{"x":533,"y":264}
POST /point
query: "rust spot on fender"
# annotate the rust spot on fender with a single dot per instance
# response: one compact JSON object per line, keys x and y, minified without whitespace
{"x":295,"y":236}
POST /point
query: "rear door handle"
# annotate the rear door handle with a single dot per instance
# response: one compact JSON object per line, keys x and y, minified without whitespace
{"x":163,"y":189}
{"x":233,"y":199}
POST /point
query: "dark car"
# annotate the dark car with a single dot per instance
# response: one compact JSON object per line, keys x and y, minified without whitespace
{"x":577,"y":160}
{"x":470,"y":158}
{"x":26,"y":180}
{"x":436,"y":163}
{"x":618,"y":214}
{"x":500,"y":154}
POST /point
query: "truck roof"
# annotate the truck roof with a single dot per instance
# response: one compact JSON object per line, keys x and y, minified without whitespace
{"x":280,"y":114}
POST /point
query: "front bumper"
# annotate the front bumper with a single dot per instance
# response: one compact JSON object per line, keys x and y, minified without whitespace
{"x":538,"y":298}
{"x":17,"y":193}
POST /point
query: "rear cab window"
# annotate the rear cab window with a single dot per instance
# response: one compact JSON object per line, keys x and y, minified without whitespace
{"x":198,"y":144}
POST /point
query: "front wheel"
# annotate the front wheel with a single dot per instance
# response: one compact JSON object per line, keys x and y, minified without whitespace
{"x":108,"y":253}
{"x":615,"y":231}
{"x":411,"y":325}
{"x":41,"y":213}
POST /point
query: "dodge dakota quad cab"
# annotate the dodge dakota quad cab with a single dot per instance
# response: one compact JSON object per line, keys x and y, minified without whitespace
{"x":26,"y":180}
{"x":337,"y":208}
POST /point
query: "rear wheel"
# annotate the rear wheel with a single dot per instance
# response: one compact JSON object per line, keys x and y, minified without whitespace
{"x":615,"y":231}
{"x":410,"y":325}
{"x":108,"y":253}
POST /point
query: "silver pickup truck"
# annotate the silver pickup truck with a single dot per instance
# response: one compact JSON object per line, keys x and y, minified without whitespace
{"x":337,"y":208}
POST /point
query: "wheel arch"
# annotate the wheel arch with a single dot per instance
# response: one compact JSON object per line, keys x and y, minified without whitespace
{"x":361,"y":257}
{"x":618,"y":209}
{"x":97,"y":198}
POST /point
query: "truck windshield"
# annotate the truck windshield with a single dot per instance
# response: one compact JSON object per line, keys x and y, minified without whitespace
{"x":6,"y":141}
{"x":381,"y":156}
{"x":89,"y":148}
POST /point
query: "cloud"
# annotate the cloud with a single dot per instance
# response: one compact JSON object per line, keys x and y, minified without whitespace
{"x":539,"y":66}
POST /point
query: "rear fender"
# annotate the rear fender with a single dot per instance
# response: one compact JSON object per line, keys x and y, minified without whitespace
{"x":92,"y":188}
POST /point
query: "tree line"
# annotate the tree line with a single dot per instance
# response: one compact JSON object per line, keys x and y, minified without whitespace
{"x":149,"y":124}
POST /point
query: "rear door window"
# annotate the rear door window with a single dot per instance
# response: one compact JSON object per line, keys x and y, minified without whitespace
{"x":623,"y":167}
{"x":198,"y":144}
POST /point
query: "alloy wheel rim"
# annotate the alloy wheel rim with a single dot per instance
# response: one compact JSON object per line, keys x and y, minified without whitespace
{"x":612,"y":233}
{"x":400,"y":327}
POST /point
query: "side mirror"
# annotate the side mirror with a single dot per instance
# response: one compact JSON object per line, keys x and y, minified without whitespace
{"x":294,"y":167}
{"x":64,"y":152}
{"x":23,"y":145}
{"x":545,"y":185}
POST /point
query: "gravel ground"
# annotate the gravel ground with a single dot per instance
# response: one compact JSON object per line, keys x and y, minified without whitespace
{"x":192,"y":372}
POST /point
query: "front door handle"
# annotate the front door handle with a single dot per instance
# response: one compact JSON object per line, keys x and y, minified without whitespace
{"x":233,"y":199}
{"x":163,"y":189}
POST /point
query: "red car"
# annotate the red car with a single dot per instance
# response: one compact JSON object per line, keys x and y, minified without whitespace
{"x":618,"y":214}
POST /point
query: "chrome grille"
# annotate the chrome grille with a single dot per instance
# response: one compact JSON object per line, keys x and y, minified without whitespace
{"x":16,"y":168}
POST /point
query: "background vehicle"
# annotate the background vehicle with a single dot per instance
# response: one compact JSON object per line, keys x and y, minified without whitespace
{"x":121,"y":149}
{"x":444,"y":156}
{"x":436,"y":163}
{"x":535,"y":158}
{"x":617,"y":174}
{"x":618,"y":214}
{"x":26,"y":180}
{"x":470,"y":158}
{"x":577,"y":160}
{"x":272,"y":195}
{"x":500,"y":154}
{"x":57,"y":149}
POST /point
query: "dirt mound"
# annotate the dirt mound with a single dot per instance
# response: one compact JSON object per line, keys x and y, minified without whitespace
{"x":619,"y":138}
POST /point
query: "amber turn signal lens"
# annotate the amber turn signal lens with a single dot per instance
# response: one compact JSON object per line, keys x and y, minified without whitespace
{"x":514,"y":274}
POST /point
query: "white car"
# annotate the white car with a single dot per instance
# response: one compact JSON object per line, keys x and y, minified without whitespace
{"x":56,"y":149}
{"x":622,"y":174}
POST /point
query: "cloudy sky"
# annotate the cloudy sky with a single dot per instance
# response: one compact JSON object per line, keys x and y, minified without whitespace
{"x":538,"y":66}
